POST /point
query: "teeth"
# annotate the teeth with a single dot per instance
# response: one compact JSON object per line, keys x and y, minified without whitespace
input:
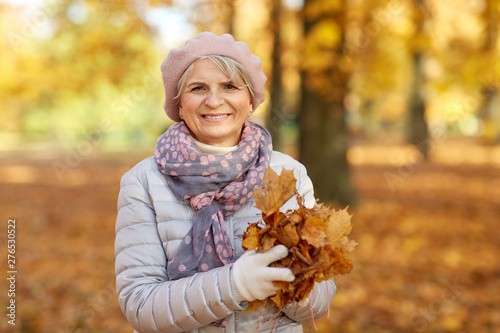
{"x":215,"y":117}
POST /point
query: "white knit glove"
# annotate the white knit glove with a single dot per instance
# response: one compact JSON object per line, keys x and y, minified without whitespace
{"x":252,"y":276}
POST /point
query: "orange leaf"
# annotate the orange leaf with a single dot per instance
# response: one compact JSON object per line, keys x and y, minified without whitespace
{"x":255,"y":305}
{"x":275,"y":191}
{"x":339,"y":225}
{"x":314,"y":232}
{"x":267,"y":242}
{"x":292,"y":233}
{"x":348,"y":245}
{"x":251,"y":237}
{"x":277,"y":299}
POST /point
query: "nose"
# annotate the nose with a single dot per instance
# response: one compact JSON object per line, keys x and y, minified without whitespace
{"x":214,"y":99}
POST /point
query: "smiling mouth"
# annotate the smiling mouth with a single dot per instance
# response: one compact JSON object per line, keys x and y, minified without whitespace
{"x":215,"y":116}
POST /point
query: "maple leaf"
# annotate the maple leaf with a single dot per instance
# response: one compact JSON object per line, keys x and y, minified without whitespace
{"x":275,"y":191}
{"x":339,"y":225}
{"x":267,"y":242}
{"x":252,"y":239}
{"x":292,"y":233}
{"x":314,"y":232}
{"x":348,"y":245}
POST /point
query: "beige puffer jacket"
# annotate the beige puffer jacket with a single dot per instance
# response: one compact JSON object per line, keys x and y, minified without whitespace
{"x":150,"y":225}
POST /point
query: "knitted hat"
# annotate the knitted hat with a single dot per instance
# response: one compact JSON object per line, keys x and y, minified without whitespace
{"x":204,"y":44}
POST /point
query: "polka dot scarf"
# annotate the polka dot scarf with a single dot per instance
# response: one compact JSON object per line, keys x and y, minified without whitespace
{"x":216,"y":185}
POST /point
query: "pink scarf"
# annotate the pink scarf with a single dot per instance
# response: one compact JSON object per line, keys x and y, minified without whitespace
{"x":216,"y":185}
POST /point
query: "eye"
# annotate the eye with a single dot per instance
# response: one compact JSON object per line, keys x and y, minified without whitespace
{"x":231,"y":86}
{"x":197,"y":88}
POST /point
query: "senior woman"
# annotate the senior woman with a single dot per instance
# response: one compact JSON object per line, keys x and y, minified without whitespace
{"x":182,"y":212}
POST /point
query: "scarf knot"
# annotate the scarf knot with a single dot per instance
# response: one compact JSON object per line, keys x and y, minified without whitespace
{"x":201,"y":200}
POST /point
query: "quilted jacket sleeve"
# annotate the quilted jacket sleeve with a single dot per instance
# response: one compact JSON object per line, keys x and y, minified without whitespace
{"x":151,"y":302}
{"x":305,"y":187}
{"x":321,"y":298}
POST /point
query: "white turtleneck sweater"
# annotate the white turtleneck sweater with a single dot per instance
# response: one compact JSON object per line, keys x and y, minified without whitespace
{"x":208,"y":149}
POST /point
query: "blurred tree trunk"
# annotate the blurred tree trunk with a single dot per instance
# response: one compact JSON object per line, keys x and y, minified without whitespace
{"x":490,"y":109}
{"x":370,"y":121}
{"x":275,"y":114}
{"x":490,"y":115}
{"x":231,"y":9}
{"x":418,"y":131}
{"x":323,"y":137}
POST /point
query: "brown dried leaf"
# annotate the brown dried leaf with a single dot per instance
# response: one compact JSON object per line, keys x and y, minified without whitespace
{"x":251,"y":238}
{"x":339,"y":225}
{"x":305,"y":287}
{"x":291,"y":232}
{"x":266,"y":243}
{"x":277,"y":299}
{"x":305,"y":251}
{"x":348,"y":245}
{"x":255,"y":305}
{"x":314,"y":232}
{"x":281,"y":236}
{"x":275,"y":191}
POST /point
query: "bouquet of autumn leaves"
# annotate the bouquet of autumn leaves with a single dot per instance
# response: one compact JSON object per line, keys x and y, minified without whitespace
{"x":316,"y":238}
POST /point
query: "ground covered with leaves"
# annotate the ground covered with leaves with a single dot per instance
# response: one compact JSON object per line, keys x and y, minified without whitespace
{"x":427,"y":259}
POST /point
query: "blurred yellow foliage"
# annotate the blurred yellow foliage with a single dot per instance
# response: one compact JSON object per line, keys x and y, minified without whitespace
{"x":69,"y":67}
{"x":319,"y":8}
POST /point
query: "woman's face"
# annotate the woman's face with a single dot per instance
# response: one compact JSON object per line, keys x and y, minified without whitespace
{"x":213,"y":107}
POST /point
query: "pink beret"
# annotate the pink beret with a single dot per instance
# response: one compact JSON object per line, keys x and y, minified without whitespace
{"x":204,"y":44}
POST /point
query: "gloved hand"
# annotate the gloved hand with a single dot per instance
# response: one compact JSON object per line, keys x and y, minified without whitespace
{"x":252,"y":276}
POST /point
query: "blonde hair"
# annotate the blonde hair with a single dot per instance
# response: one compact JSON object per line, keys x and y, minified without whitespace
{"x":233,"y":69}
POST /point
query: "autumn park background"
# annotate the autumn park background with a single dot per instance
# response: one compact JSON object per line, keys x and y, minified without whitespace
{"x":393,"y":106}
